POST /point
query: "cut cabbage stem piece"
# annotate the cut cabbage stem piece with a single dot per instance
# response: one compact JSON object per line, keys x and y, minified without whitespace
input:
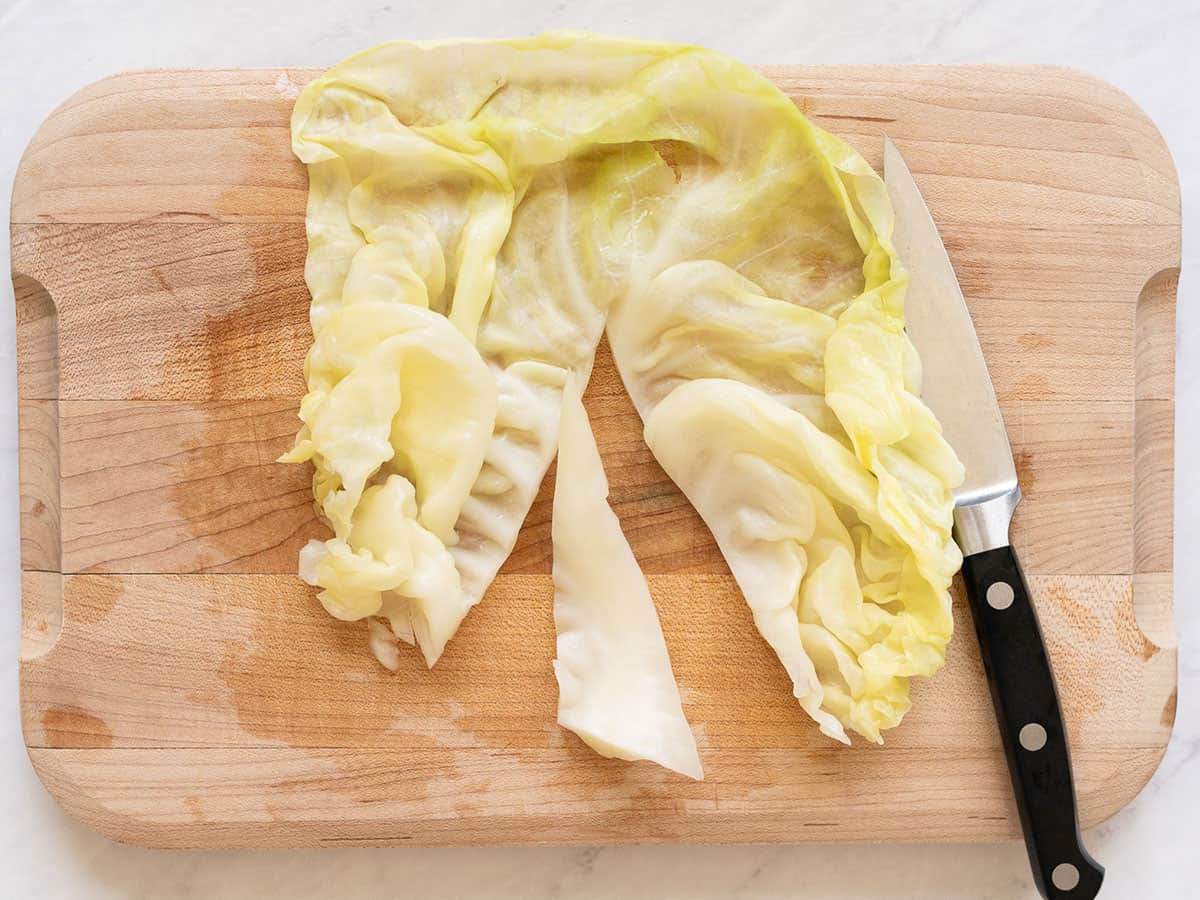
{"x":616,"y":689}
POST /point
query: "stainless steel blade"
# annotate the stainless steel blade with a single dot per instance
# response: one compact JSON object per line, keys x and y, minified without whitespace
{"x":955,"y":383}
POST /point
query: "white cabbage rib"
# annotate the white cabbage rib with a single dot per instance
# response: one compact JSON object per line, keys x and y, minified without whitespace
{"x":524,"y":195}
{"x":615,"y":686}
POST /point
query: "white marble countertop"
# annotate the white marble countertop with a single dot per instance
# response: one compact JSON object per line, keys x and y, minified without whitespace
{"x":47,"y":50}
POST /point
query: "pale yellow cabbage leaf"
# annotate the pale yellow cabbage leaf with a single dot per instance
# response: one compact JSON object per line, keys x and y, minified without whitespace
{"x":527,"y":192}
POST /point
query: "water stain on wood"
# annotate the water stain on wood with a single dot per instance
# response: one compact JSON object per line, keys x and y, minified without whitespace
{"x":304,"y":679}
{"x":1032,"y":340}
{"x":1167,"y":719}
{"x":244,"y":511}
{"x":250,"y":343}
{"x":1076,"y":614}
{"x":1128,"y":633}
{"x":71,"y":727}
{"x":247,"y":512}
{"x":90,"y":599}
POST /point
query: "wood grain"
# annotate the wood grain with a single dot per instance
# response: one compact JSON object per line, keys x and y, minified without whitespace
{"x":247,"y":671}
{"x":283,"y":797}
{"x":180,"y":687}
{"x":171,"y":486}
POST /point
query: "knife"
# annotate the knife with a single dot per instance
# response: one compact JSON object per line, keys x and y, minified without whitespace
{"x":957,"y":387}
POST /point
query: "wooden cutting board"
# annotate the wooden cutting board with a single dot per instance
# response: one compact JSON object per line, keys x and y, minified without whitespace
{"x":180,"y":687}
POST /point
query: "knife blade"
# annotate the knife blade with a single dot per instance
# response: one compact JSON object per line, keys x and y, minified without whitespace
{"x":957,"y":387}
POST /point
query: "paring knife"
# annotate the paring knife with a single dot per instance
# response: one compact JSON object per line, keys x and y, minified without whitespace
{"x":957,"y":387}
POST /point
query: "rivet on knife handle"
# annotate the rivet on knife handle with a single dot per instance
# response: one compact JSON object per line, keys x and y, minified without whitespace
{"x":1031,"y":724}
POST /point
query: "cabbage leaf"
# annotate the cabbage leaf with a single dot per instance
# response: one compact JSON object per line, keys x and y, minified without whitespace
{"x":480,"y":213}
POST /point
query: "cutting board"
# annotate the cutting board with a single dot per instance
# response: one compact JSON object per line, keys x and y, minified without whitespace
{"x":180,"y":687}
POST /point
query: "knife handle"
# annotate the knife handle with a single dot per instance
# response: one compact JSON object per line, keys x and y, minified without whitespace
{"x":1031,"y":725}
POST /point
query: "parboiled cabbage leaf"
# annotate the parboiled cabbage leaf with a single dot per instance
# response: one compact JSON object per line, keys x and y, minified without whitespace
{"x":528,"y":195}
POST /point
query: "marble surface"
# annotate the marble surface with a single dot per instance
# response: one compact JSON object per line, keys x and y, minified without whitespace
{"x":48,"y":49}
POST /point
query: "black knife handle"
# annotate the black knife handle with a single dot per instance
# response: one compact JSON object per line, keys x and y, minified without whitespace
{"x":1031,"y":724}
